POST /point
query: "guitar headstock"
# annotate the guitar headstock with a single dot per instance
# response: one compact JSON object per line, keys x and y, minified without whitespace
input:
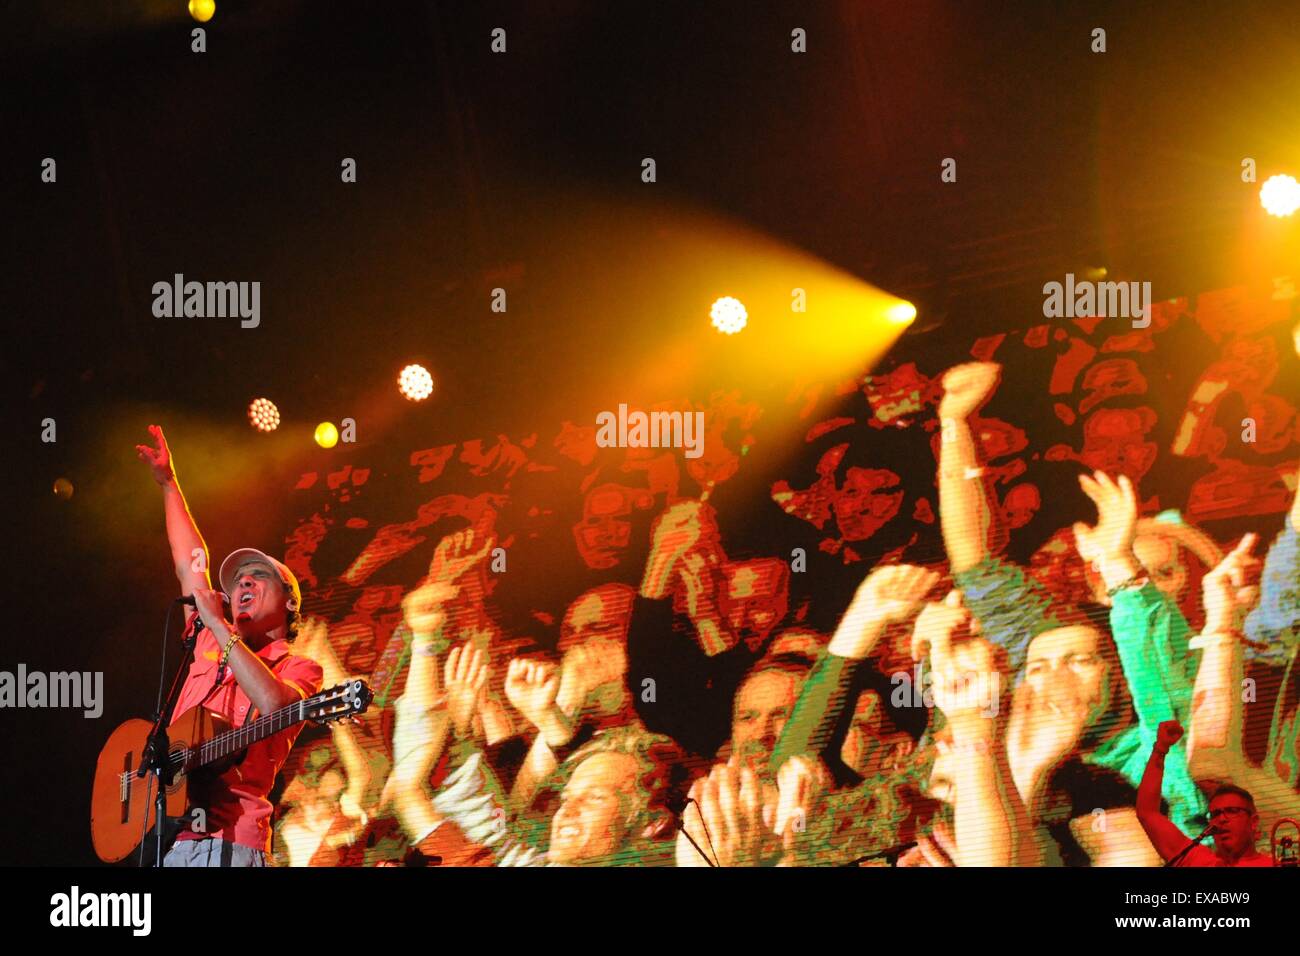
{"x":338,"y":702}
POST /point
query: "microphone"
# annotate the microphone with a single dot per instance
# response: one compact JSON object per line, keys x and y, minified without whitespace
{"x":1212,"y":828}
{"x":188,"y":599}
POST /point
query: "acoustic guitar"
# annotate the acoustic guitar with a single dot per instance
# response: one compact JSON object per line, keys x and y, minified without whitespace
{"x":122,"y":801}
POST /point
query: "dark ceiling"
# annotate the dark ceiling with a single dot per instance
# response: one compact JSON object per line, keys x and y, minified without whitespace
{"x":228,"y":161}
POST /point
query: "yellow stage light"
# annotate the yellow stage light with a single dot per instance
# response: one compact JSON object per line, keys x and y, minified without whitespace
{"x":901,"y":312}
{"x":1280,"y":195}
{"x":415,"y":383}
{"x":263,"y":415}
{"x":327,"y":436}
{"x":729,"y":315}
{"x":202,"y":10}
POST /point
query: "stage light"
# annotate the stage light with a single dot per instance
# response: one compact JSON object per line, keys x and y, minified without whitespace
{"x":202,"y":10}
{"x":62,"y":489}
{"x":415,"y":383}
{"x":1280,"y":195}
{"x":901,"y":312}
{"x":327,"y":436}
{"x":263,"y":415}
{"x":729,"y":316}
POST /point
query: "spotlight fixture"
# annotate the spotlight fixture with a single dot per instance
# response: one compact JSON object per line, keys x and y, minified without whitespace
{"x":729,"y":315}
{"x":327,"y":436}
{"x":1280,"y":195}
{"x":263,"y":415}
{"x":415,"y":383}
{"x":901,"y":312}
{"x":202,"y":10}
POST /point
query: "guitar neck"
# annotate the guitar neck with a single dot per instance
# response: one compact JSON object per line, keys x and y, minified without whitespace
{"x":232,"y":741}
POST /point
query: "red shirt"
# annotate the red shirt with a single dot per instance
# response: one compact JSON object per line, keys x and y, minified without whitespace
{"x":236,"y":802}
{"x":1204,"y":856}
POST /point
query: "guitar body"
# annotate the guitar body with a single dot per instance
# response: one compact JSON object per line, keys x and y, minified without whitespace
{"x":122,"y":802}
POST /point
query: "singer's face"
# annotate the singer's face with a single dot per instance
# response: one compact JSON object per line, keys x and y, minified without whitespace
{"x":1234,"y":823}
{"x":259,"y":598}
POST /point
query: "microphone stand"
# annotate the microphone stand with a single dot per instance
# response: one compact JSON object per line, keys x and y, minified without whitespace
{"x":890,"y":856}
{"x":1174,"y":861}
{"x":156,"y":756}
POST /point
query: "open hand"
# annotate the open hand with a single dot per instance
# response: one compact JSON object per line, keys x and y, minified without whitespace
{"x":890,"y":595}
{"x":800,"y":784}
{"x":1230,"y":589}
{"x":1116,"y":527}
{"x":465,"y":674}
{"x":457,"y":554}
{"x":158,"y":458}
{"x":729,"y":815}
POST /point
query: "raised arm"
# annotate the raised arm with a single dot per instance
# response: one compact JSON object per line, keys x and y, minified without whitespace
{"x":1011,"y":607}
{"x":1150,"y":634}
{"x":676,"y":531}
{"x":1215,"y":749}
{"x":1275,"y":622}
{"x":423,"y":723}
{"x":189,"y":553}
{"x":963,"y":506}
{"x":1168,"y":840}
{"x":1214,"y":742}
{"x":699,"y":587}
{"x":990,"y":820}
{"x":889,"y":594}
{"x":531,"y":688}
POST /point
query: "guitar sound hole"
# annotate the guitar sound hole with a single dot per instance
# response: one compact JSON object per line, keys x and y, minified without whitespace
{"x":179,"y":776}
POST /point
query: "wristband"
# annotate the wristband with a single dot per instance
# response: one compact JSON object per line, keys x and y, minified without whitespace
{"x":225,"y":657}
{"x":1221,"y":637}
{"x":432,"y":646}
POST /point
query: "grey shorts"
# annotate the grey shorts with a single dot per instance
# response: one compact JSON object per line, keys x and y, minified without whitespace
{"x":212,"y":851}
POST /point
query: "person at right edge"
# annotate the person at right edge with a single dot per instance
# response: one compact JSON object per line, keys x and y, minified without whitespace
{"x":1233,"y":819}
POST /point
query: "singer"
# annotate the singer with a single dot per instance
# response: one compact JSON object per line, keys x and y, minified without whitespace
{"x":240,"y":668}
{"x":1234,"y":823}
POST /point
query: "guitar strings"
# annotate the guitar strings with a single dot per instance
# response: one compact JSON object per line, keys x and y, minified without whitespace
{"x":178,"y":758}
